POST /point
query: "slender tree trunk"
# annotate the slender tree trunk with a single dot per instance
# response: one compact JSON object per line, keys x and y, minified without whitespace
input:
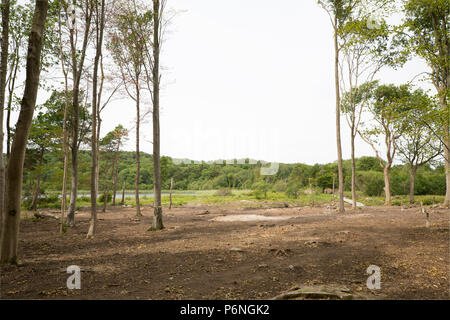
{"x":412,"y":178}
{"x":77,"y":71}
{"x":65,"y":136}
{"x":334,"y":178}
{"x":123,"y":193}
{"x":97,"y":169}
{"x":3,"y":70}
{"x":105,"y":199}
{"x":38,"y":182}
{"x":353,"y":172}
{"x":157,"y":218}
{"x":444,"y":106}
{"x":64,"y":182}
{"x":387,"y":185}
{"x":447,"y":176}
{"x":115,"y":173}
{"x":74,"y":177}
{"x":170,"y":194}
{"x":11,"y":88}
{"x":100,"y":18}
{"x":66,"y":156}
{"x":10,"y":100}
{"x":338,"y":121}
{"x":138,"y":156}
{"x":14,"y":172}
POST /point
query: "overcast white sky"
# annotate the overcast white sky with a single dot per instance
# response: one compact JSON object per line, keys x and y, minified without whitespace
{"x":249,"y":78}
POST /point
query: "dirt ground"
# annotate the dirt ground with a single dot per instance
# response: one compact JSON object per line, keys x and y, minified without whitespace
{"x":203,"y":254}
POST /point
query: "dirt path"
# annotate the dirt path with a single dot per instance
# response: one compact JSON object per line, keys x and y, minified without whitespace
{"x":203,"y":255}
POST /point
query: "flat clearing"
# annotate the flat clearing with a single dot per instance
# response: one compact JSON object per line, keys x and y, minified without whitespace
{"x":204,"y":254}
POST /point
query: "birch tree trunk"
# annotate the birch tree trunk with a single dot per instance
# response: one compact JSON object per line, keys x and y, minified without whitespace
{"x":447,"y":175}
{"x":100,"y":21}
{"x":138,"y":156}
{"x":123,"y":193}
{"x":157,"y":218}
{"x":66,"y":156}
{"x":65,"y":136}
{"x":115,"y":172}
{"x":14,"y":172}
{"x":341,"y":207}
{"x":38,"y":182}
{"x":170,"y":195}
{"x":387,"y":185}
{"x":412,"y":179}
{"x":444,"y":106}
{"x":3,"y":70}
{"x":353,"y":171}
{"x":77,"y":71}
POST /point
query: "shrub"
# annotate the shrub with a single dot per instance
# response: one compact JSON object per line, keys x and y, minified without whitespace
{"x":292,"y":190}
{"x":260,"y":190}
{"x":101,"y":199}
{"x":370,"y":182}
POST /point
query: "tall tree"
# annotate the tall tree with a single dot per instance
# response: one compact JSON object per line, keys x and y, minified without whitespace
{"x":158,"y":11}
{"x":364,"y":45}
{"x":129,"y":46}
{"x":65,"y":135}
{"x":5,"y":9}
{"x":99,"y":27}
{"x":339,"y":11}
{"x":427,"y":35}
{"x":418,"y":145}
{"x":386,"y":106}
{"x":10,"y":227}
{"x":78,"y":56}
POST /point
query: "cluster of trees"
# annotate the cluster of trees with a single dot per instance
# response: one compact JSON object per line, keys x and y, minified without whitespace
{"x":290,"y":178}
{"x":59,"y":46}
{"x":398,"y":121}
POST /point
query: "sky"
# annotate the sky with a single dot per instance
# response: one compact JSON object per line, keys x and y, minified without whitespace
{"x":248,"y":78}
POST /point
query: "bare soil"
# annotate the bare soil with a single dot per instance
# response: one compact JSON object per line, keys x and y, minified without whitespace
{"x":202,"y":254}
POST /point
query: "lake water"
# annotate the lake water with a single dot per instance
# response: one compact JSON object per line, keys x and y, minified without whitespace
{"x":141,"y":195}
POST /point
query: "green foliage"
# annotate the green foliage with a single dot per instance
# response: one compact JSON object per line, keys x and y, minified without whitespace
{"x":370,"y":182}
{"x":101,"y":199}
{"x":292,"y":190}
{"x":261,"y":190}
{"x":325,"y":180}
